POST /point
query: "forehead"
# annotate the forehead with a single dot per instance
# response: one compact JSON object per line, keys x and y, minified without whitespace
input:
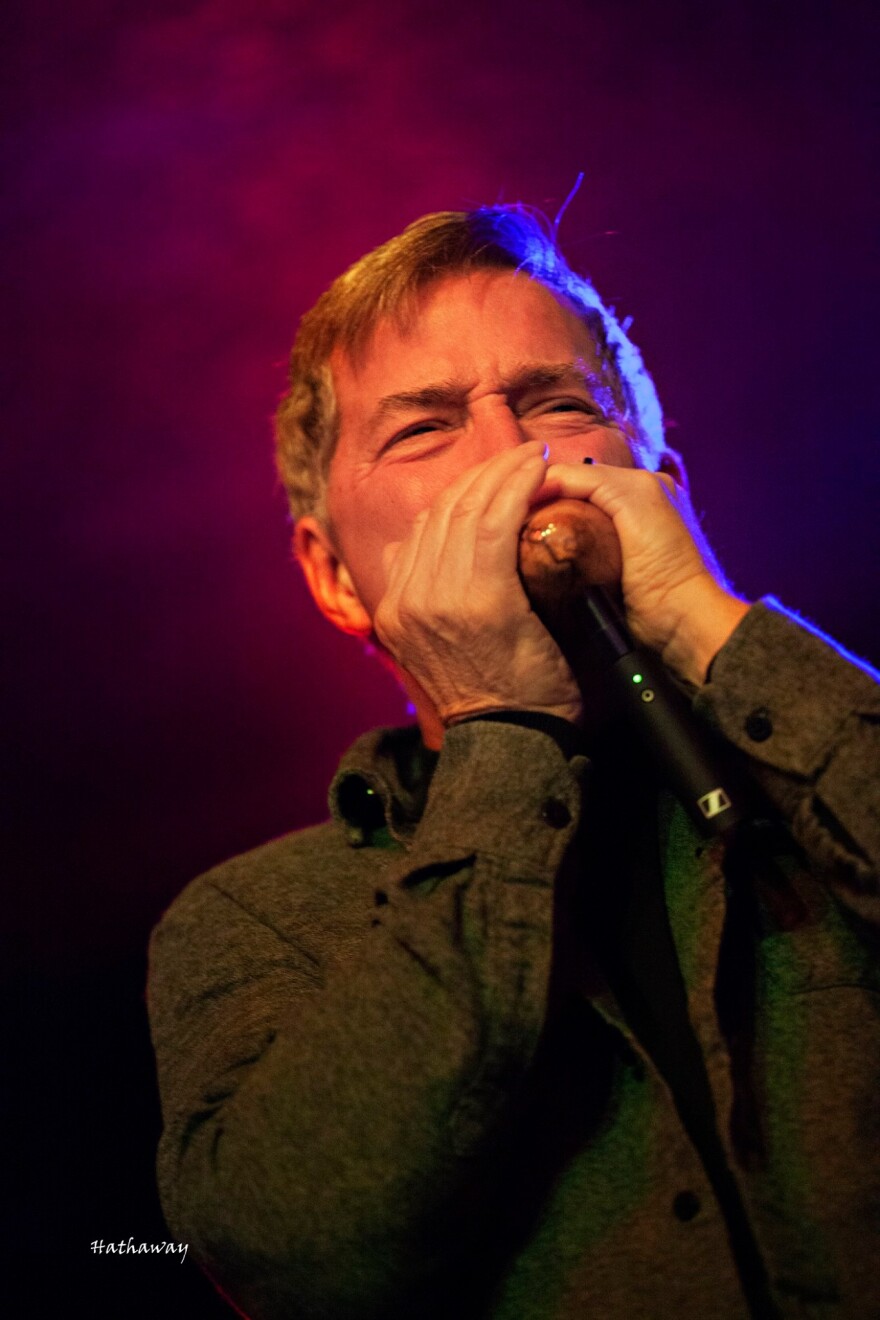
{"x":472,"y":328}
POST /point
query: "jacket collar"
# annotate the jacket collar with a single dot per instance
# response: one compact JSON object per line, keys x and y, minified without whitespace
{"x":382,"y":782}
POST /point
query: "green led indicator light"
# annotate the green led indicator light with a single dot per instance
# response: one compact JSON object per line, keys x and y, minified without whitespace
{"x":637,"y":678}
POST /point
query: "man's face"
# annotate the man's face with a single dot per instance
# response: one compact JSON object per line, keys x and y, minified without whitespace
{"x":493,"y":359}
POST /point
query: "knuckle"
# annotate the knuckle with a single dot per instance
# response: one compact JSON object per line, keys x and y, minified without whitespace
{"x":465,"y":508}
{"x":444,"y":614}
{"x":655,"y":486}
{"x":407,"y":615}
{"x":489,"y":530}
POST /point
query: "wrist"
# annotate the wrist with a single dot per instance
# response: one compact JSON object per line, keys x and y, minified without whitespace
{"x":705,"y":623}
{"x":571,"y":712}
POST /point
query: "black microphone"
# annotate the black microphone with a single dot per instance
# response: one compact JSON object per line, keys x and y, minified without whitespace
{"x":643,"y":694}
{"x":567,"y":551}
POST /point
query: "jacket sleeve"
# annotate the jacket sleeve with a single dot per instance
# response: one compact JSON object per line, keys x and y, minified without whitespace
{"x":806,"y":714}
{"x":326,"y":1083}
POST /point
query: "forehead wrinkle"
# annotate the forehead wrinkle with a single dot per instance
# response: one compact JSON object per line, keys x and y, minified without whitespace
{"x":443,"y":393}
{"x":535,"y":375}
{"x":530,"y":375}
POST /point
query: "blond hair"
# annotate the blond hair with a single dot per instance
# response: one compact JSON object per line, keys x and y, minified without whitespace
{"x":387,"y":283}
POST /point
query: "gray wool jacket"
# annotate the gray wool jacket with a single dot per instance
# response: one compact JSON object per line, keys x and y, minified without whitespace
{"x":403,"y":1072}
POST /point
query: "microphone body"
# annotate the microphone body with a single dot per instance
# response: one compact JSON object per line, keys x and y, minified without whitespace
{"x":567,"y":565}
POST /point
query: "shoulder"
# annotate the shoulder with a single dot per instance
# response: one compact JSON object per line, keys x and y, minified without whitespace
{"x":311,"y":884}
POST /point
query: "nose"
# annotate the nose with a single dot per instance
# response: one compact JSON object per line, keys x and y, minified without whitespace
{"x":495,"y":428}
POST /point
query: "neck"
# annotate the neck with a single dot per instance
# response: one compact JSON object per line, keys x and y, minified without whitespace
{"x":430,"y":724}
{"x":429,"y":721}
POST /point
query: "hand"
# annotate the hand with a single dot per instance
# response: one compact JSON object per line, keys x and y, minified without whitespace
{"x":455,"y":616}
{"x":675,"y":596}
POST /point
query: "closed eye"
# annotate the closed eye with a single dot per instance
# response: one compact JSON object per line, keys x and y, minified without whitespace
{"x":427,"y":427}
{"x":585,"y":406}
{"x":418,"y":428}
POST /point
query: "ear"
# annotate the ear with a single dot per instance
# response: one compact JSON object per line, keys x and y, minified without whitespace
{"x":328,"y":579}
{"x":672,"y":464}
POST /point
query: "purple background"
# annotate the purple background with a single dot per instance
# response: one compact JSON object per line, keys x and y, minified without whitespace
{"x":182,"y":181}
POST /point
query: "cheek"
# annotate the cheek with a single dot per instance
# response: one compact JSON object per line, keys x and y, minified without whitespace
{"x":384,"y":506}
{"x":618,"y":449}
{"x":368,"y":516}
{"x":388,"y":505}
{"x":603,"y":444}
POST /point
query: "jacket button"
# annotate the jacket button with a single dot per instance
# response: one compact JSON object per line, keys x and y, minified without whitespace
{"x":686,"y":1206}
{"x":759,"y":725}
{"x":555,"y":813}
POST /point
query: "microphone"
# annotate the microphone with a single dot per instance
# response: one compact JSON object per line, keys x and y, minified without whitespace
{"x":569,"y":561}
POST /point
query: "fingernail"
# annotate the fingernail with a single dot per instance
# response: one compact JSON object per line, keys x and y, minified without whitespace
{"x":588,"y":459}
{"x":546,"y":453}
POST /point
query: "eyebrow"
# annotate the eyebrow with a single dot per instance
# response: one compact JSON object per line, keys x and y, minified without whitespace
{"x":451,"y":393}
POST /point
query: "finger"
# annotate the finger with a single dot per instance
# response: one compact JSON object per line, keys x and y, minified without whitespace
{"x":453,"y":524}
{"x":612,"y":489}
{"x":587,"y":477}
{"x":497,"y":536}
{"x":476,"y":487}
{"x":483,"y":531}
{"x":643,"y":506}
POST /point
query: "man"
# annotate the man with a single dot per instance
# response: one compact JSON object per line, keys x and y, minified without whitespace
{"x":505,"y":1037}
